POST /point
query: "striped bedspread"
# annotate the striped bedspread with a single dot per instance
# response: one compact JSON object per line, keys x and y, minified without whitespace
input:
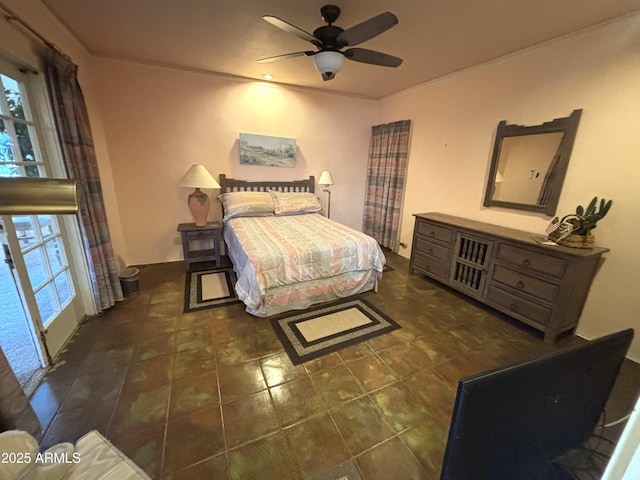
{"x":276,"y":252}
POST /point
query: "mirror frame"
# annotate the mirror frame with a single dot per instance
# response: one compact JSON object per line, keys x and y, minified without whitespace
{"x":568,"y":126}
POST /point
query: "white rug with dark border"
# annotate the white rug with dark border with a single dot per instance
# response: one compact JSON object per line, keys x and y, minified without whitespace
{"x":329,"y":327}
{"x":209,"y":289}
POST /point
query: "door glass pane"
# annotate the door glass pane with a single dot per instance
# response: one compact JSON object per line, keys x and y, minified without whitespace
{"x":63,"y":287}
{"x":14,"y":99}
{"x":36,"y":267}
{"x":48,"y":225}
{"x":26,"y":231}
{"x":47,"y":305}
{"x":54,"y":252}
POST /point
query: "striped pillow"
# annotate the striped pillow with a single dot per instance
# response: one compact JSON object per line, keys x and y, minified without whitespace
{"x":246,"y":204}
{"x":295,"y":203}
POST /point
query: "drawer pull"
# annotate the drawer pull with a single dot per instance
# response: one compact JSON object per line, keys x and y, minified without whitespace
{"x":514,"y":307}
{"x":430,"y":251}
{"x":432,"y":234}
{"x":520,"y":284}
{"x":526,"y":262}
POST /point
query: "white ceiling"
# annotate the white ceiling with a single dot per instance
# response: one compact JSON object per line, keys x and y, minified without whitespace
{"x":434,"y":37}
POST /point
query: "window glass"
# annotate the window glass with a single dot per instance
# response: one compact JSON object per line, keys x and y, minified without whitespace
{"x":48,"y":225}
{"x":26,"y":231}
{"x":47,"y":304}
{"x":37,"y":267}
{"x":64,"y":289}
{"x":13,"y":97}
{"x":54,"y":252}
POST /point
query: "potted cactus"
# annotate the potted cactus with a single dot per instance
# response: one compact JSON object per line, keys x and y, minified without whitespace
{"x":575,"y":230}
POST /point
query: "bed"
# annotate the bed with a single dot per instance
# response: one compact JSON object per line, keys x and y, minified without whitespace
{"x":286,"y":254}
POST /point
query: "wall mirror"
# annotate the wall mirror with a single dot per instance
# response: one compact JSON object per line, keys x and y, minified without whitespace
{"x":529,"y":164}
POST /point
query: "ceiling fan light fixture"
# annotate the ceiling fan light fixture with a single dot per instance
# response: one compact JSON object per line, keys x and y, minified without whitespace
{"x":328,"y":63}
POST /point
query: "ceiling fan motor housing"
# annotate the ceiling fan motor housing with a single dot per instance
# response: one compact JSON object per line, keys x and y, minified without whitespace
{"x":328,"y":35}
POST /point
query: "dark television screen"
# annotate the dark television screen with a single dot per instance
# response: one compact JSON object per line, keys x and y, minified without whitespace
{"x":511,"y":423}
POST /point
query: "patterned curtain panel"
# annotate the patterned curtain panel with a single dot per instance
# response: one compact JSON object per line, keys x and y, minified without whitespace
{"x":386,"y":174}
{"x":547,"y":184}
{"x":79,"y":155}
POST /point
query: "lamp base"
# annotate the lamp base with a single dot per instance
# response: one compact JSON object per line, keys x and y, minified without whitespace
{"x":198,"y":202}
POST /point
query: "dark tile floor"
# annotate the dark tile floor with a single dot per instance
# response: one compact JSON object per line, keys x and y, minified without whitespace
{"x":212,"y":395}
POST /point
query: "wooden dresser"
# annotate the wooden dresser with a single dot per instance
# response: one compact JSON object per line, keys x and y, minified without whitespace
{"x":541,"y":285}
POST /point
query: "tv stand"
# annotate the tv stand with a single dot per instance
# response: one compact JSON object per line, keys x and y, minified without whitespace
{"x":543,"y":286}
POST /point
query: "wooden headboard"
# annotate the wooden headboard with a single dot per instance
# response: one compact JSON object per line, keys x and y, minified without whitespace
{"x":233,"y":185}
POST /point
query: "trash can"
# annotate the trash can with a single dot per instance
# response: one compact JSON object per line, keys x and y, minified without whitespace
{"x":130,"y":281}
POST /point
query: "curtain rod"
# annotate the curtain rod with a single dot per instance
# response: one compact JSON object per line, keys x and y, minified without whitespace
{"x":12,"y":16}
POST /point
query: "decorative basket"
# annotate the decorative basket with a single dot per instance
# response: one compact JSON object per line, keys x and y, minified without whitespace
{"x":574,"y":240}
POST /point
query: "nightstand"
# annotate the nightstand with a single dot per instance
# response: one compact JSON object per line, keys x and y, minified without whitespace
{"x":209,"y":240}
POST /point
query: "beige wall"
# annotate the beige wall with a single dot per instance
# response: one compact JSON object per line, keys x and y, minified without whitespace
{"x":454,"y":123}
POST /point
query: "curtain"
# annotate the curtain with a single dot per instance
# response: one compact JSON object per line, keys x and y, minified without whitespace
{"x":547,"y":184}
{"x":386,"y":172}
{"x":79,"y":157}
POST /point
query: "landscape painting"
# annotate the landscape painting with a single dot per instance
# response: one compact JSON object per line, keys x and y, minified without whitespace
{"x":267,"y":151}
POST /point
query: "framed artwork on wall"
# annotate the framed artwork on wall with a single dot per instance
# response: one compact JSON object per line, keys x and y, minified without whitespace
{"x":267,"y":151}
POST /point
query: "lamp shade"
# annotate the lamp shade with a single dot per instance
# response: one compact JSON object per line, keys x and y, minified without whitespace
{"x":325,"y":178}
{"x":328,"y":62}
{"x":198,"y":177}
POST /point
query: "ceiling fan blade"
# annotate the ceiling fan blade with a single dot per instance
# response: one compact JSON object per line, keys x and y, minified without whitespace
{"x":281,"y":57}
{"x":371,"y":56}
{"x":368,"y":29}
{"x":287,"y":27}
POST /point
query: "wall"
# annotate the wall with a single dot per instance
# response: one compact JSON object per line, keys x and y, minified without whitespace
{"x":159,"y":121}
{"x":454,"y":124}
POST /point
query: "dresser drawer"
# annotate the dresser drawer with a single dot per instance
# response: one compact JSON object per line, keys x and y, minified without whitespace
{"x":435,"y":232}
{"x":519,"y":306}
{"x":200,"y":235}
{"x":432,"y":249}
{"x":536,"y":262}
{"x":431,"y":266}
{"x":533,"y":286}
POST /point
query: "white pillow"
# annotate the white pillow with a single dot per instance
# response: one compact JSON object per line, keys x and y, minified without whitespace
{"x":246,"y":204}
{"x":295,"y":203}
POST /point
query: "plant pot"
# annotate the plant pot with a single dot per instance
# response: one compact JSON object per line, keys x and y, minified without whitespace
{"x":574,"y":240}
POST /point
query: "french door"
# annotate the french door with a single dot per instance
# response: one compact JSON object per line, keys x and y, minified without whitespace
{"x":36,"y":245}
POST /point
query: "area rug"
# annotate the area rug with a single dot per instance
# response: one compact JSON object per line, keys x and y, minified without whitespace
{"x":209,"y":289}
{"x":329,"y":327}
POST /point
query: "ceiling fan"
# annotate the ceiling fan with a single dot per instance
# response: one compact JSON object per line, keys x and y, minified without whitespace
{"x":331,"y":39}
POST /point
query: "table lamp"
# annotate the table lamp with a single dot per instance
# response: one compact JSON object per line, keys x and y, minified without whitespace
{"x":198,"y":177}
{"x":326,"y":179}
